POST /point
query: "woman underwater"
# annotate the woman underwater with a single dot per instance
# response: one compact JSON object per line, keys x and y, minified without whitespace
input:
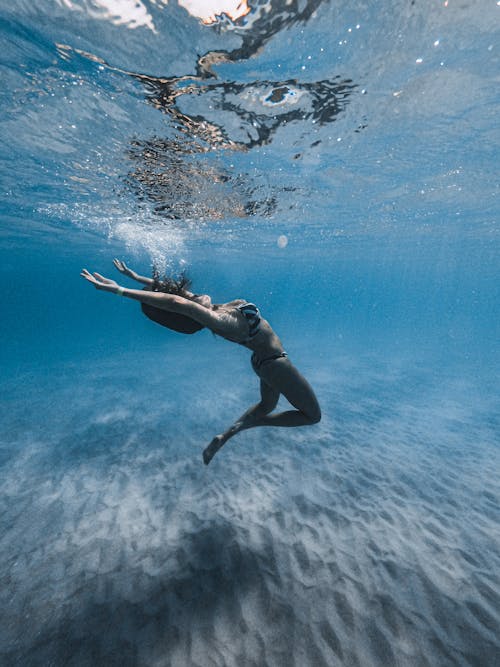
{"x":239,"y":322}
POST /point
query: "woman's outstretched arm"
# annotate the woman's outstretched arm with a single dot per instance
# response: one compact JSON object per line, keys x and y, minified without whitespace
{"x":123,"y":268}
{"x":170,"y":302}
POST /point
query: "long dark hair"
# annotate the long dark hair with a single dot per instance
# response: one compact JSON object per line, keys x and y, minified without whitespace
{"x":179,"y":285}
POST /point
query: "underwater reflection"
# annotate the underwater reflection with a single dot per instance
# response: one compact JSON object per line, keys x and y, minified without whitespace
{"x":209,"y":115}
{"x":241,"y":116}
{"x":239,"y":14}
{"x":170,"y":175}
{"x":210,"y":11}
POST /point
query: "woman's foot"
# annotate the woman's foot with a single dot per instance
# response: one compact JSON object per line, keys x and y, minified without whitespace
{"x":219,"y":440}
{"x":212,"y":449}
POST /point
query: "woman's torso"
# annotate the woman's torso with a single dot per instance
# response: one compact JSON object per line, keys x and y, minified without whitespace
{"x":261,"y":339}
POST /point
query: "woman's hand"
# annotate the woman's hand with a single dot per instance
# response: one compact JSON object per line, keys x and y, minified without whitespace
{"x":123,"y":268}
{"x":100,"y":282}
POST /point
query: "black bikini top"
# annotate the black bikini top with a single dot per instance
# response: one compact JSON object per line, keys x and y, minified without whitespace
{"x":252,"y":316}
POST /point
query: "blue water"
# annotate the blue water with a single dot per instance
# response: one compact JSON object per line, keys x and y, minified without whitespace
{"x":335,"y":163}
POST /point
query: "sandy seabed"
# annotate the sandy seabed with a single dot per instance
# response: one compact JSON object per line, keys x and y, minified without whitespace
{"x":369,"y":539}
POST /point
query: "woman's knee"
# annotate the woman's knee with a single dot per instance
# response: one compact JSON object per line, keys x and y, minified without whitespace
{"x":313,"y":411}
{"x":315,"y":415}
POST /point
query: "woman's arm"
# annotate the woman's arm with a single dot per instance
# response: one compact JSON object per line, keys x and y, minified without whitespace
{"x":149,"y":282}
{"x":170,"y":302}
{"x":123,"y":268}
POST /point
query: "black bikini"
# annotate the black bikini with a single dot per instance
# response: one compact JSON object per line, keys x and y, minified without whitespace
{"x":252,"y":315}
{"x":258,"y":363}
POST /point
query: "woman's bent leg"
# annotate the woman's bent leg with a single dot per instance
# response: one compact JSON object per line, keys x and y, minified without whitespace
{"x":269,"y":399}
{"x":278,"y":377}
{"x":285,"y":378}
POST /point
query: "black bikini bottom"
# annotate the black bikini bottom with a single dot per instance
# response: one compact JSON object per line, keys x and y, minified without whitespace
{"x":258,"y":363}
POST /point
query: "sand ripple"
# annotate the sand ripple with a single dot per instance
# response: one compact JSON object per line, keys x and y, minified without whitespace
{"x":370,"y":539}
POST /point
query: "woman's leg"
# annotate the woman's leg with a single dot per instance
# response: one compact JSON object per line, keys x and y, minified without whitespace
{"x":277,"y":377}
{"x":285,"y":378}
{"x":268,"y":400}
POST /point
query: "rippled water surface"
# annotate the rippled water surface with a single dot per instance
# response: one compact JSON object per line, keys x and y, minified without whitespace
{"x":337,"y":164}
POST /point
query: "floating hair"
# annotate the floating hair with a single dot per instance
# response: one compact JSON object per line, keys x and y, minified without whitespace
{"x":175,"y":321}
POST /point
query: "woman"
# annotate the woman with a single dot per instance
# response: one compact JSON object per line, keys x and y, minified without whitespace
{"x":239,"y":322}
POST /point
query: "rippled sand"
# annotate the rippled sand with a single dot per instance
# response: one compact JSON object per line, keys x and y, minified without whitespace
{"x":369,"y":539}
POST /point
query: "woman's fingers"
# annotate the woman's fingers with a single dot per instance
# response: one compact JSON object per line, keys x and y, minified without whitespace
{"x":102,"y":278}
{"x":97,"y":279}
{"x":122,"y":267}
{"x":85,"y":274}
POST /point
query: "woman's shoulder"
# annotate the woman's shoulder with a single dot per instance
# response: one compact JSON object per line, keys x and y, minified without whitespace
{"x":234,"y":303}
